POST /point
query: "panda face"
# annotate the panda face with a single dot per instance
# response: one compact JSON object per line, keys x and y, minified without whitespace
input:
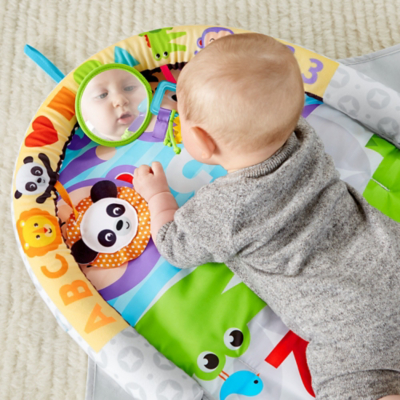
{"x":32,"y":178}
{"x":109,"y":225}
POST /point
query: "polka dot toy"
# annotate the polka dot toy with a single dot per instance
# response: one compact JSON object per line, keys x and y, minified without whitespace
{"x":127,"y":198}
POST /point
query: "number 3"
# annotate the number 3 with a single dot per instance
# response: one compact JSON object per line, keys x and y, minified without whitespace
{"x":314,"y":71}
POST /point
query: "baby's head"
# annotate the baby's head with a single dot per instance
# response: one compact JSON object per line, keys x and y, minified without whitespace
{"x":110,"y":103}
{"x":245,"y":91}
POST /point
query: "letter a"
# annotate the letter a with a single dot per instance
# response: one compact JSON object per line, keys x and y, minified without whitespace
{"x":94,"y":322}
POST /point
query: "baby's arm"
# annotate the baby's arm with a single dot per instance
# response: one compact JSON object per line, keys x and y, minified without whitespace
{"x":198,"y":232}
{"x":151,"y":184}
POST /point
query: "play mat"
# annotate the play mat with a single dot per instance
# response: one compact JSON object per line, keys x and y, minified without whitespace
{"x":160,"y":332}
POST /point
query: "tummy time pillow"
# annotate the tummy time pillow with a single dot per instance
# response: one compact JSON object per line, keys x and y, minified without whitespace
{"x":84,"y":233}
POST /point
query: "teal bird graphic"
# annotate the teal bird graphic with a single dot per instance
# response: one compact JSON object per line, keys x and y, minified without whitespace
{"x":245,"y":383}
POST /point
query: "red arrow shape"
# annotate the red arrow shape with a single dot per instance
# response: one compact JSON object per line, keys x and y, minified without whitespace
{"x":292,"y":343}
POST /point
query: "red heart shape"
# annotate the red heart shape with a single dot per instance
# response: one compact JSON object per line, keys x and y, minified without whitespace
{"x":43,"y":133}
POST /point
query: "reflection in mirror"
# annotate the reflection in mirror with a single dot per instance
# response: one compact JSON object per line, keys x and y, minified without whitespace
{"x":114,"y":104}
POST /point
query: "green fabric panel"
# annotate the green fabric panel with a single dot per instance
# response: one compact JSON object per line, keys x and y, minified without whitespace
{"x":386,"y":198}
{"x":193,"y":316}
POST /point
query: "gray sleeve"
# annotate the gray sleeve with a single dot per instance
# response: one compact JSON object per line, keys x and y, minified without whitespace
{"x":201,"y":231}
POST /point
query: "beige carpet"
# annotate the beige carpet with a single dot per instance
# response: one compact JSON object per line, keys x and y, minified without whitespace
{"x":37,"y":359}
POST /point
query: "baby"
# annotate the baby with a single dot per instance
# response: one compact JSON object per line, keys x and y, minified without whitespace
{"x":304,"y":241}
{"x":110,"y":103}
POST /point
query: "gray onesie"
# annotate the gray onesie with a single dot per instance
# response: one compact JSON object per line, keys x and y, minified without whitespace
{"x":315,"y":251}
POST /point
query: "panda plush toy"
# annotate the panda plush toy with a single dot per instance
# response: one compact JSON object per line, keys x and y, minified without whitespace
{"x":111,"y":227}
{"x":35,"y":179}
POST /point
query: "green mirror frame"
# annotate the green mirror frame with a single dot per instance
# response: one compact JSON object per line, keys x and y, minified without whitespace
{"x":82,"y":87}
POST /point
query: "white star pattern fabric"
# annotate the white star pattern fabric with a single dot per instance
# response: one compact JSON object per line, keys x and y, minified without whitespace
{"x":142,"y":371}
{"x":366,"y":100}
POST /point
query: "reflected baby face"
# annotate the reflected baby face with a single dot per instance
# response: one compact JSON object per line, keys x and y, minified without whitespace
{"x":110,"y":102}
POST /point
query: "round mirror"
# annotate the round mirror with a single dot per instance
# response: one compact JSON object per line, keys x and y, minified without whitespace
{"x":113,"y":104}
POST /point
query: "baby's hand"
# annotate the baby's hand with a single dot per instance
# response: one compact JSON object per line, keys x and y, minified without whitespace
{"x":150,"y":181}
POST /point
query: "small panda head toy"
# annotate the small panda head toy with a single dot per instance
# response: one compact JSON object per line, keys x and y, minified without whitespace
{"x":35,"y":179}
{"x":112,"y":227}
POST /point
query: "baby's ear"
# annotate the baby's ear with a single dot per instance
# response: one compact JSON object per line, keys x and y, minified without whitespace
{"x":205,"y":142}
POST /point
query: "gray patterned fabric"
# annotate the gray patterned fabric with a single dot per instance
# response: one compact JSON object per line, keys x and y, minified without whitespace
{"x":142,"y":371}
{"x":380,"y":66}
{"x":101,"y":387}
{"x":366,"y":100}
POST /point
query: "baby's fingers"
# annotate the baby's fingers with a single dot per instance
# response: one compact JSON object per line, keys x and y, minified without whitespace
{"x":157,"y":168}
{"x":143,"y":170}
